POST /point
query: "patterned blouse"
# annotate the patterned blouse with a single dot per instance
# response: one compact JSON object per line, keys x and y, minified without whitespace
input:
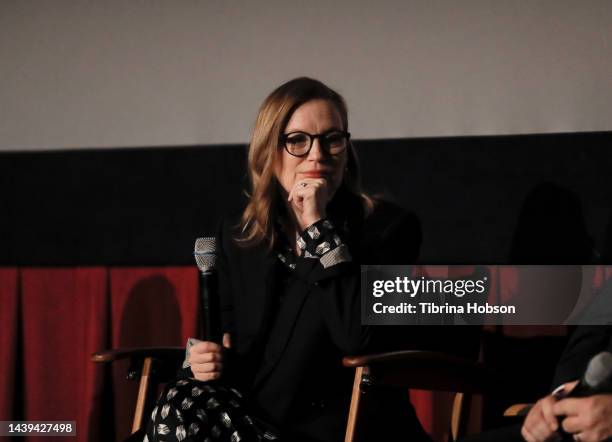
{"x":318,"y":241}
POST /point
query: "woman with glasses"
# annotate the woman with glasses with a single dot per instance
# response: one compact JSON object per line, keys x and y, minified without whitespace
{"x":289,"y":280}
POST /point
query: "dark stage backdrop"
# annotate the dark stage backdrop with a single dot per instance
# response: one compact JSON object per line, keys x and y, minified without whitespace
{"x":145,"y":206}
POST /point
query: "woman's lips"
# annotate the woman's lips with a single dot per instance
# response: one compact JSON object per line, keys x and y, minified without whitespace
{"x":315,"y":174}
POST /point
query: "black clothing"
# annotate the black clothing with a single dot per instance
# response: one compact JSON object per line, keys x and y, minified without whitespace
{"x":584,"y":343}
{"x":291,"y":330}
{"x":296,"y":378}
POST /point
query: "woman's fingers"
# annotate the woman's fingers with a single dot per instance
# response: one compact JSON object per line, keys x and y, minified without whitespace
{"x":205,"y":347}
{"x":204,"y":377}
{"x":227,"y":340}
{"x":207,"y":371}
{"x":307,"y":187}
{"x":206,"y":360}
{"x":309,"y":199}
{"x":207,"y":367}
{"x":200,"y":358}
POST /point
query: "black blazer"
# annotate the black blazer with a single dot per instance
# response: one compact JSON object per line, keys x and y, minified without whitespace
{"x":287,"y":357}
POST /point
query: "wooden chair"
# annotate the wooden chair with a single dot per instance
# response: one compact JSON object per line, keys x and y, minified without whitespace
{"x":152,"y":366}
{"x":405,"y":369}
{"x":423,"y":370}
{"x":517,"y":410}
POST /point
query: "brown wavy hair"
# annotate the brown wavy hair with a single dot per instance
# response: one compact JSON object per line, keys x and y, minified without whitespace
{"x":265,"y":201}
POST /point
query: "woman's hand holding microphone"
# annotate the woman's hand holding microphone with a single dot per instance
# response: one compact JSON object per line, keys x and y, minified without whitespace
{"x":206,"y":359}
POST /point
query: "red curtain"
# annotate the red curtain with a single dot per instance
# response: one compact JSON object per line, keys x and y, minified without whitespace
{"x":8,"y":341}
{"x":149,"y":307}
{"x":64,"y":320}
{"x":53,"y":319}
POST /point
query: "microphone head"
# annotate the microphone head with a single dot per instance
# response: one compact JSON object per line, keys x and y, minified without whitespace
{"x":599,"y":370}
{"x":205,"y":253}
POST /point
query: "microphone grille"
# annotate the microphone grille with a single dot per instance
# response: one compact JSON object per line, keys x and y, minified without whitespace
{"x":599,"y":370}
{"x":205,"y":253}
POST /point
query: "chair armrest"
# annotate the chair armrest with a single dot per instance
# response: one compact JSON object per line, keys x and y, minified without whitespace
{"x":517,"y":410}
{"x":427,"y":370}
{"x":163,"y":362}
{"x":162,"y":353}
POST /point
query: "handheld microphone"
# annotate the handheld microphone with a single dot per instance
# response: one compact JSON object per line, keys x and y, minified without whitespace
{"x":205,"y":257}
{"x":597,"y":378}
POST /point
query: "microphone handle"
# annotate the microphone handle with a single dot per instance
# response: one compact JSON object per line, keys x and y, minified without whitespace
{"x":582,"y":389}
{"x":211,"y":312}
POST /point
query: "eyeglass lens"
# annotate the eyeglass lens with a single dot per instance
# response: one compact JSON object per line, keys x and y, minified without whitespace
{"x":299,"y":143}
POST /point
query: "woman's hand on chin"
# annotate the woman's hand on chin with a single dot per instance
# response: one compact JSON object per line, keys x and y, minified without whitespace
{"x":308,"y":199}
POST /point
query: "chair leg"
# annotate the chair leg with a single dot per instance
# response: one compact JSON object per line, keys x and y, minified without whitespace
{"x":143,"y":393}
{"x":351,"y":426}
{"x":460,"y":415}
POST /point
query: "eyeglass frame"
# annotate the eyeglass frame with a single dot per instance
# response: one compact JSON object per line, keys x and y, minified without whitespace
{"x":313,"y":137}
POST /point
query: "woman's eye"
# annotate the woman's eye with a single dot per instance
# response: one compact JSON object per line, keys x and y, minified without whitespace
{"x":297,"y":140}
{"x":334,"y":139}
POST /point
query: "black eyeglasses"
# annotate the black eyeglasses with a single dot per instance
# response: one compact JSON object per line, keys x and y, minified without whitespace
{"x":299,"y":144}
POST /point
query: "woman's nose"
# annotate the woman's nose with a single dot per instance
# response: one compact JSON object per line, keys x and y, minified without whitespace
{"x":316,"y":151}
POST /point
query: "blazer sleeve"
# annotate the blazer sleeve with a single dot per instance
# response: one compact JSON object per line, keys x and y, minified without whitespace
{"x":224,"y":278}
{"x":338,"y":286}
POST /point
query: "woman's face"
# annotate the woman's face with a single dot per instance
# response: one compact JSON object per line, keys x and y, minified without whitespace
{"x":313,"y":117}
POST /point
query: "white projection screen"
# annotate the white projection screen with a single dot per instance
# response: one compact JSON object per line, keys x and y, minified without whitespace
{"x":115,"y":73}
